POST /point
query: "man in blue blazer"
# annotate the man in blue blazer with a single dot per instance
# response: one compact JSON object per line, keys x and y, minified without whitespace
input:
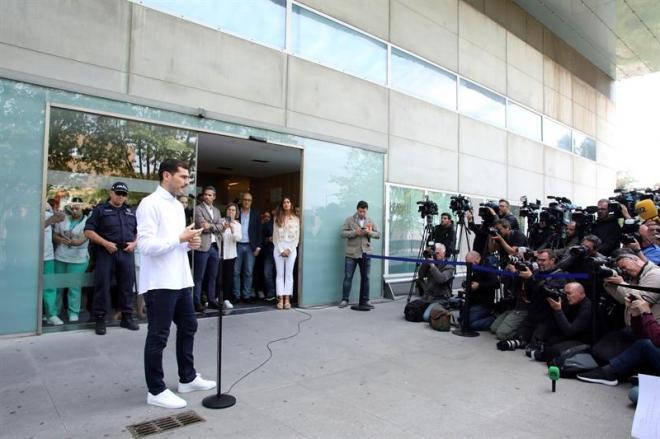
{"x":247,"y":249}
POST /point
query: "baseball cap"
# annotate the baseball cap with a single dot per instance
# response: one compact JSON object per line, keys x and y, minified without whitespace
{"x":119,"y":186}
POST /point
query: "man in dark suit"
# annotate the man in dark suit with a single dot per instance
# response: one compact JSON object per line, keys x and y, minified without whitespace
{"x":247,"y":249}
{"x":207,"y":257}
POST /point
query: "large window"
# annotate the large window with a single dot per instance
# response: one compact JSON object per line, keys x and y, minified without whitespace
{"x":481,"y":104}
{"x":522,"y":121}
{"x":557,"y":135}
{"x":584,"y":145}
{"x":419,"y":78}
{"x":328,"y":42}
{"x":87,"y":153}
{"x":259,"y":20}
{"x":405,"y":227}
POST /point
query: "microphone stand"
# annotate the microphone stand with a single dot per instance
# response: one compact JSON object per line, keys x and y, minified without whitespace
{"x":219,"y":400}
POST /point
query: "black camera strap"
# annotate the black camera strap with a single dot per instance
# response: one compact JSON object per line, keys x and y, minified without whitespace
{"x":640,"y":288}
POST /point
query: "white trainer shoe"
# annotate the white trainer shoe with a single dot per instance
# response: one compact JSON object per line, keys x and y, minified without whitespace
{"x":166,"y":399}
{"x":54,"y":320}
{"x":198,"y":383}
{"x":227,"y":304}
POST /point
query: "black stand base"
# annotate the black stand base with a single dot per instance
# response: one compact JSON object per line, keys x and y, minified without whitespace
{"x":361,"y":308}
{"x":218,"y":401}
{"x":467,"y":333}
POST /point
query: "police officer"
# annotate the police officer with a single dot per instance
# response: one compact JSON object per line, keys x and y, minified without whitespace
{"x":112,"y":226}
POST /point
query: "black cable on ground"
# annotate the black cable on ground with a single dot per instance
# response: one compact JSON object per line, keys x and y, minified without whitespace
{"x":270,"y":351}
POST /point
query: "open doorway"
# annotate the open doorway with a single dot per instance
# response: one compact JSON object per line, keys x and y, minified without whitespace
{"x":269,"y":172}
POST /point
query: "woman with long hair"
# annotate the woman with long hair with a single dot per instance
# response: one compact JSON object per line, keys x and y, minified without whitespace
{"x":286,"y":234}
{"x":231,"y":234}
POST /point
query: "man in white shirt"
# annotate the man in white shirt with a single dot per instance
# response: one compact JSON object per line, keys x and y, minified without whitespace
{"x":166,"y":282}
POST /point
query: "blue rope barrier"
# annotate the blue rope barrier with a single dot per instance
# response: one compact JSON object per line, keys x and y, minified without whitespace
{"x":483,"y":268}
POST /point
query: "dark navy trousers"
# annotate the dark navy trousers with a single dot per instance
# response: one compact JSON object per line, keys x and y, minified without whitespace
{"x":119,"y":265}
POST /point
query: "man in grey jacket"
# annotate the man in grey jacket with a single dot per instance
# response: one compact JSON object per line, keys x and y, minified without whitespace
{"x":434,"y":278}
{"x":358,"y":230}
{"x":207,"y":257}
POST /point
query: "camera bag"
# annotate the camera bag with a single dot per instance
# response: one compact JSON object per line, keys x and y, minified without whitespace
{"x":440,"y":318}
{"x":414,"y":311}
{"x":574,"y":360}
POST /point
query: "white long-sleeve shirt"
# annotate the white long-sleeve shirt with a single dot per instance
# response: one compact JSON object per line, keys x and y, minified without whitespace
{"x":163,"y":259}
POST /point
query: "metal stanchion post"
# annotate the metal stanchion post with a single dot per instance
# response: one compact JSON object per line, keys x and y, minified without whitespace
{"x":464,"y":330}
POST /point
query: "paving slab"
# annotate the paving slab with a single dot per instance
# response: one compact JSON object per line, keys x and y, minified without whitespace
{"x":346,"y":375}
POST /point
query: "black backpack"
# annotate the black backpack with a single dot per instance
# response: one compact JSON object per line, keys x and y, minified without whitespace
{"x":574,"y":360}
{"x":414,"y":311}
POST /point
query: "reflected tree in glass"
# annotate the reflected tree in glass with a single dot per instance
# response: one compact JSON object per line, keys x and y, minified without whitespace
{"x":405,"y":227}
{"x":102,"y":145}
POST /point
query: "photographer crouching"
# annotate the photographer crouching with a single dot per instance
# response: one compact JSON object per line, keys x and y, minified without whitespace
{"x":537,"y":324}
{"x":482,"y":295}
{"x":638,"y":272}
{"x":434,"y":277}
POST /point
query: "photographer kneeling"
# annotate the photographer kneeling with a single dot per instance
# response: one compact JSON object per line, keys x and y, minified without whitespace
{"x":641,"y":273}
{"x":482,"y":295}
{"x":434,"y":279}
{"x":643,"y":352}
{"x":571,"y":322}
{"x":534,"y":329}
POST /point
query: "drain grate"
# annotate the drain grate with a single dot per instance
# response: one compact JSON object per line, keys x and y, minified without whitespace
{"x":164,"y":424}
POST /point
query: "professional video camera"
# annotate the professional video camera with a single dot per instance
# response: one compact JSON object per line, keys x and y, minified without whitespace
{"x":629,"y":198}
{"x":427,"y":208}
{"x":485,"y":213}
{"x":584,"y":219}
{"x":529,"y":210}
{"x":459,"y":204}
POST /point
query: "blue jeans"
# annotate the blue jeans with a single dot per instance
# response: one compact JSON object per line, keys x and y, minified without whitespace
{"x":163,"y":308}
{"x":243,"y":266}
{"x":480,"y":318}
{"x":641,"y":352}
{"x":269,"y":273}
{"x":349,"y":271}
{"x":206,"y":263}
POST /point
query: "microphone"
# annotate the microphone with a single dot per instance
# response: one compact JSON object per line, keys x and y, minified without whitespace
{"x":553,"y":373}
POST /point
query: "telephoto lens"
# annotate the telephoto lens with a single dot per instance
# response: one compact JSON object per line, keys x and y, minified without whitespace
{"x":510,"y":345}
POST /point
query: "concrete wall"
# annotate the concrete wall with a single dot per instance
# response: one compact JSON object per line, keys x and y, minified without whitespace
{"x":113,"y":46}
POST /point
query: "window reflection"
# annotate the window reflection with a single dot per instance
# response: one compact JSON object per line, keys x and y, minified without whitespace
{"x":584,"y":145}
{"x":258,"y":20}
{"x":481,"y":104}
{"x":327,"y":42}
{"x":405,"y":227}
{"x":87,"y":153}
{"x":419,"y":78}
{"x":523,"y":121}
{"x":557,"y":135}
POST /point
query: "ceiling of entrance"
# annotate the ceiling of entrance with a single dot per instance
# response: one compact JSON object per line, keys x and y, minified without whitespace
{"x":231,"y":156}
{"x":621,"y":37}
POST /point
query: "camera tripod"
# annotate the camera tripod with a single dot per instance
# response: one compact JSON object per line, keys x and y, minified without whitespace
{"x":428,"y":232}
{"x":461,"y":230}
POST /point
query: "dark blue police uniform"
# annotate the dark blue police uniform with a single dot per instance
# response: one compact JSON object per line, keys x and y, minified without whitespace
{"x":117,"y":225}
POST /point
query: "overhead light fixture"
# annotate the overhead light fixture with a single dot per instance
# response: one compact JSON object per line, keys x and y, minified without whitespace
{"x":233,"y":184}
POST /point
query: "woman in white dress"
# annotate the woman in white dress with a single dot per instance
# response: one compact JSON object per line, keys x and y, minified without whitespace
{"x":286,"y":234}
{"x":231,"y":234}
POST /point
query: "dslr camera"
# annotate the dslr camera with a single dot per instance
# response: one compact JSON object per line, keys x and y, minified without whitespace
{"x":484,"y":213}
{"x":551,"y":293}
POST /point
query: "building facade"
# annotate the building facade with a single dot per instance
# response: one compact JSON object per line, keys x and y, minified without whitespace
{"x":386,"y":100}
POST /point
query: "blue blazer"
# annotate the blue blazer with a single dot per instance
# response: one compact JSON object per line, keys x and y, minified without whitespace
{"x":254,"y":228}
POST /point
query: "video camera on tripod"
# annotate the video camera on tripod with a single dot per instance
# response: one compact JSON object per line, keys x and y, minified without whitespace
{"x":460,"y":204}
{"x":427,"y":209}
{"x":584,"y":219}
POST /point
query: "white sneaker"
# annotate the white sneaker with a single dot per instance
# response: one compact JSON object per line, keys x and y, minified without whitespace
{"x":227,"y":304}
{"x":198,"y":383}
{"x":73,"y":318}
{"x":260,"y":294}
{"x":54,"y":320}
{"x":166,"y":399}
